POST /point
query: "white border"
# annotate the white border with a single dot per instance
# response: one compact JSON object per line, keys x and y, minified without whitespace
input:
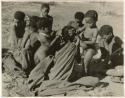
{"x":63,"y":0}
{"x":50,"y":1}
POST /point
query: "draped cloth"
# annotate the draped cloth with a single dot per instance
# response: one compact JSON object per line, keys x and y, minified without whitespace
{"x":64,"y":62}
{"x":62,"y":68}
{"x":37,"y":75}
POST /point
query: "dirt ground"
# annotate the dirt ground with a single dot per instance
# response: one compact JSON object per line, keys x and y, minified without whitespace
{"x":109,"y":13}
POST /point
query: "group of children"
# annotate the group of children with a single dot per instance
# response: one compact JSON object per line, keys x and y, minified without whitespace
{"x":78,"y":42}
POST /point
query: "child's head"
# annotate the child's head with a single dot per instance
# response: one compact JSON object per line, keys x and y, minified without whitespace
{"x":43,"y":25}
{"x":91,"y":18}
{"x":106,"y":32}
{"x":79,"y":16}
{"x":45,"y":9}
{"x":19,"y":17}
{"x":33,"y":23}
{"x":68,"y":33}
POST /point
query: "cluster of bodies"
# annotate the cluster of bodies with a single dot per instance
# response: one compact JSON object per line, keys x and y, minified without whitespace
{"x":44,"y":54}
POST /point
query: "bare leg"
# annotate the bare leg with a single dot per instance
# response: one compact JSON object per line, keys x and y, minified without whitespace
{"x":88,"y":56}
{"x":39,"y":55}
{"x":24,"y":59}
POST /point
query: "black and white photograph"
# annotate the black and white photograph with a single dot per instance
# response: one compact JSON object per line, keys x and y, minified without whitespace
{"x":72,"y":49}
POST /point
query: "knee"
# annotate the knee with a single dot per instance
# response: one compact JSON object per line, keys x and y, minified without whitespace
{"x":24,"y":50}
{"x":89,"y":54}
{"x":92,"y":51}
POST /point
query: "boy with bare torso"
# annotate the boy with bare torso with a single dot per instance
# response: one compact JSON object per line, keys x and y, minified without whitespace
{"x":88,"y":37}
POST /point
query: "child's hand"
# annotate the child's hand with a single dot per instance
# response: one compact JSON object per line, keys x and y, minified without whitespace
{"x":22,"y":46}
{"x":80,"y":30}
{"x":109,"y":62}
{"x":77,"y":40}
{"x":83,"y":45}
{"x":97,"y":45}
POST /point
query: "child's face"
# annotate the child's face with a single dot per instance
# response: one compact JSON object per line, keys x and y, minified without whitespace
{"x":89,"y":22}
{"x":27,"y":19}
{"x":106,"y":37}
{"x":19,"y":22}
{"x":71,"y":32}
{"x":44,"y":30}
{"x":44,"y":11}
{"x":75,"y":25}
{"x":15,"y":21}
{"x":78,"y":21}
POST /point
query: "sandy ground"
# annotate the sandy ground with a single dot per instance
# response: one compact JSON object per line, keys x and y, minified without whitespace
{"x":109,"y":13}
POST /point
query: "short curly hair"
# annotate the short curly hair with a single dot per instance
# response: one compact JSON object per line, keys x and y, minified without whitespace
{"x":33,"y":22}
{"x":106,"y":30}
{"x":19,"y":15}
{"x":45,"y":5}
{"x":43,"y":23}
{"x":65,"y":32}
{"x":92,"y":14}
{"x":79,"y":15}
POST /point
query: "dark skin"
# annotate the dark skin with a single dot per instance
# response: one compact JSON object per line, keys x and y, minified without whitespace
{"x":45,"y":13}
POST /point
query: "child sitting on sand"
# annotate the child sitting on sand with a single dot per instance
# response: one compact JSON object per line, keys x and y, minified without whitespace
{"x":42,"y":54}
{"x":30,"y":44}
{"x":111,"y":51}
{"x":78,"y":23}
{"x":110,"y":43}
{"x":17,"y":30}
{"x":88,"y":37}
{"x":44,"y":38}
{"x":66,"y":56}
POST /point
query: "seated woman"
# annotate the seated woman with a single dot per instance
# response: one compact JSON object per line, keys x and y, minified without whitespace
{"x":30,"y":44}
{"x":111,"y":50}
{"x":66,"y":56}
{"x":18,"y":30}
{"x":41,"y":58}
{"x":44,"y":38}
{"x":63,"y":63}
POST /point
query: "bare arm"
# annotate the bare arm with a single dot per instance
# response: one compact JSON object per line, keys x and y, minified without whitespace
{"x":13,"y":38}
{"x":77,"y":41}
{"x":54,"y":41}
{"x":80,"y":30}
{"x":25,"y":39}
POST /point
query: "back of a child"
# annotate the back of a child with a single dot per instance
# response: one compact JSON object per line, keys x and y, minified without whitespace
{"x":30,"y":44}
{"x":44,"y":38}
